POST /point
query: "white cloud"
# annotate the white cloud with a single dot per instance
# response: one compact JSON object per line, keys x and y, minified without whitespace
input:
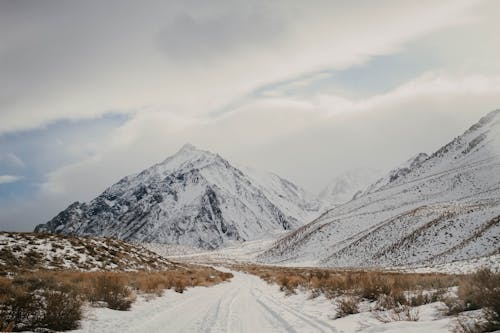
{"x":305,"y":140}
{"x":99,"y":62}
{"x":174,"y":86}
{"x":5,"y":179}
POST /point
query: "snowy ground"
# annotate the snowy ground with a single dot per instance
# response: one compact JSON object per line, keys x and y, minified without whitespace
{"x":248,"y":252}
{"x":235,"y":252}
{"x":247,"y":304}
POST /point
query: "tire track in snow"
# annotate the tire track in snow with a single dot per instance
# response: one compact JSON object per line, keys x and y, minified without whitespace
{"x":239,"y":306}
{"x":311,"y":321}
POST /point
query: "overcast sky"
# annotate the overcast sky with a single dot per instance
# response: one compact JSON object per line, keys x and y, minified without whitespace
{"x":91,"y":91}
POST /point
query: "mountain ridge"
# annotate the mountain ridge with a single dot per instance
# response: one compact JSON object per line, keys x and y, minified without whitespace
{"x":443,"y":208}
{"x":194,"y":198}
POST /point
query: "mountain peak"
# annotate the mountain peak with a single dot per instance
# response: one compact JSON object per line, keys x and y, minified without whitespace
{"x":192,"y":152}
{"x":193,"y":198}
{"x":188,"y":147}
{"x":487,"y":119}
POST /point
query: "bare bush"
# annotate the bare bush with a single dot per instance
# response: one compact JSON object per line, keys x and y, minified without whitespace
{"x":288,"y":284}
{"x":62,"y":310}
{"x":7,"y":327}
{"x":454,"y":305}
{"x":30,"y":303}
{"x":179,"y":285}
{"x":347,"y":306}
{"x":53,"y":299}
{"x":481,"y":290}
{"x":400,"y":313}
{"x":112,"y":289}
{"x":366,"y":284}
{"x":468,"y":325}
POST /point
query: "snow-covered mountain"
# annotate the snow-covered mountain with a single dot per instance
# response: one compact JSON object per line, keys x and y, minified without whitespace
{"x":193,"y":198}
{"x":396,"y":173}
{"x":433,"y":209}
{"x":347,"y":185}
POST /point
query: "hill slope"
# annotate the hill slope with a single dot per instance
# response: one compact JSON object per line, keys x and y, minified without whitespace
{"x":433,"y":209}
{"x":43,"y":251}
{"x":193,"y":198}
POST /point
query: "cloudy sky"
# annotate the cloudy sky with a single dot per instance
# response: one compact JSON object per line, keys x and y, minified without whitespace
{"x":91,"y":91}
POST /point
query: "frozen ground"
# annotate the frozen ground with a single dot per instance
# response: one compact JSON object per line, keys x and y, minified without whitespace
{"x":235,"y":252}
{"x":247,"y":304}
{"x":248,"y":252}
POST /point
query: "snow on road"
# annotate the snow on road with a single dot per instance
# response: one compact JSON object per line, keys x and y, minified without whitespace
{"x":245,"y":304}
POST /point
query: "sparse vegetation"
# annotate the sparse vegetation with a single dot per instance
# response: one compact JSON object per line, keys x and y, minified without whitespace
{"x":403,"y":288}
{"x":29,"y":302}
{"x":398,"y":313}
{"x":480,"y":290}
{"x":113,"y":289}
{"x":53,"y":299}
{"x":393,"y":295}
{"x":29,"y":251}
{"x":347,"y":305}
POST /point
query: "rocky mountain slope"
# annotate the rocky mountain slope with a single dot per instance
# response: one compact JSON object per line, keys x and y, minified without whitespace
{"x":433,"y":209}
{"x":42,"y":251}
{"x":193,"y":198}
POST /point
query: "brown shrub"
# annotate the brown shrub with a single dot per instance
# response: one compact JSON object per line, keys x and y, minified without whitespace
{"x":347,"y":306}
{"x":180,"y":285}
{"x":288,"y":284}
{"x":113,"y":289}
{"x":372,"y":285}
{"x":399,"y":313}
{"x":482,"y":290}
{"x":152,"y":284}
{"x":465,"y":325}
{"x":366,"y":284}
{"x":62,"y":310}
{"x":7,"y":327}
{"x":29,"y":303}
{"x":53,"y":299}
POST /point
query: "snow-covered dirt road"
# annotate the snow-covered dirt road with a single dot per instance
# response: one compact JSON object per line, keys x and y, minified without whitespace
{"x":246,"y":304}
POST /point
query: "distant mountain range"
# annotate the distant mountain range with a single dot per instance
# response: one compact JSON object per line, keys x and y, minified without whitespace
{"x":347,"y":185}
{"x":193,"y":198}
{"x":432,"y":209}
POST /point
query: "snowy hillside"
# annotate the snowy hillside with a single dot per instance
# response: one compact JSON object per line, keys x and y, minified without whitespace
{"x":193,"y":198}
{"x":41,"y":251}
{"x":347,"y":185}
{"x":396,"y":173}
{"x":435,"y":209}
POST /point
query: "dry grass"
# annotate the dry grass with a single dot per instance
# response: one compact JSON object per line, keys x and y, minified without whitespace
{"x":53,"y":299}
{"x":7,"y":327}
{"x":394,"y":295}
{"x":369,"y":285}
{"x":398,"y":313}
{"x":465,"y":325}
{"x":480,"y":290}
{"x":29,"y":251}
{"x":29,"y":302}
{"x":347,"y":306}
